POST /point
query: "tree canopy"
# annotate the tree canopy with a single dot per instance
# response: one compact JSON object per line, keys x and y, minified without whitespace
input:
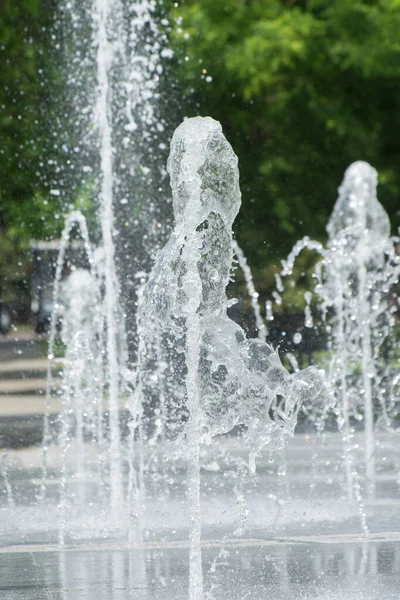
{"x":26,"y":209}
{"x":302,"y":89}
{"x":23,"y":96}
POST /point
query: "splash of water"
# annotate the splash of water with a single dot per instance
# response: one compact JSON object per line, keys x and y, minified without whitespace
{"x":6,"y":480}
{"x":354,"y":278}
{"x":360,"y":268}
{"x":80,"y":302}
{"x":74,"y":219}
{"x":224,"y":379}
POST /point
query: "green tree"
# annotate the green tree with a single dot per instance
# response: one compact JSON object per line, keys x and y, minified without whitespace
{"x":27,"y":209}
{"x":302,"y":88}
{"x":29,"y":81}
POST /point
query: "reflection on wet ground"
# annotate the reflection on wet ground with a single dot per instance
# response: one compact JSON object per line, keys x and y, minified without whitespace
{"x":300,"y":539}
{"x":284,"y":571}
{"x":304,"y":546}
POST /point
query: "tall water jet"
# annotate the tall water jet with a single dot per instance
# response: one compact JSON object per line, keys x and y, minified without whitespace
{"x":219,"y":379}
{"x":103,"y":117}
{"x":114,"y":50}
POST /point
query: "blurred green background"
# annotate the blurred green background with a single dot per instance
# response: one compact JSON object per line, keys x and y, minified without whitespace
{"x":302,"y":89}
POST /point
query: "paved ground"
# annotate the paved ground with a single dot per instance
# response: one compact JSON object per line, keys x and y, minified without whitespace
{"x":285,"y":571}
{"x":301,"y":539}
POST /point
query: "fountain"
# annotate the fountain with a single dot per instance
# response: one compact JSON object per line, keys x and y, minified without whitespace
{"x":122,"y":70}
{"x":225,"y":380}
{"x":149,"y":473}
{"x":213,"y":379}
{"x":358,"y":270}
{"x":361,"y":267}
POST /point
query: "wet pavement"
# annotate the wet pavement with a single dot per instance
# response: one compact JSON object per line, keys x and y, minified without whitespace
{"x":288,"y":534}
{"x":299,"y":539}
{"x":283,"y":571}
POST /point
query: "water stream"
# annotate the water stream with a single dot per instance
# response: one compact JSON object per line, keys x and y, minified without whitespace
{"x":354,"y":283}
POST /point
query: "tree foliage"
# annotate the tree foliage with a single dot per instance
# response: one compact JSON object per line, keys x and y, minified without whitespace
{"x":302,"y":88}
{"x":26,"y":208}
